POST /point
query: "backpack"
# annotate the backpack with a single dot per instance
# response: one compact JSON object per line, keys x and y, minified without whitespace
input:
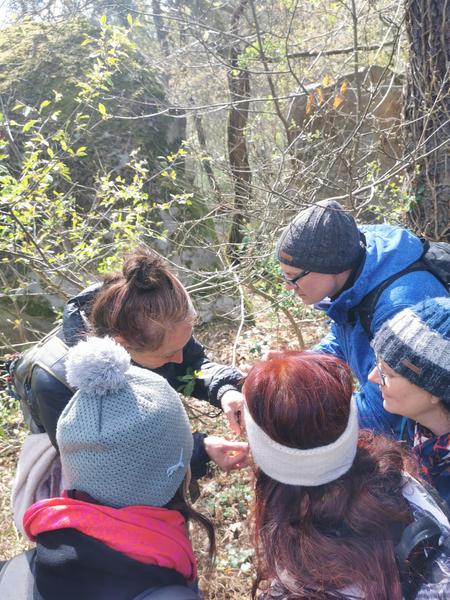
{"x":17,"y":582}
{"x":423,"y":552}
{"x":435,"y":259}
{"x":48,"y":354}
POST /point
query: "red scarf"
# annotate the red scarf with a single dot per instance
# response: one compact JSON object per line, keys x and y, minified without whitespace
{"x":150,"y":535}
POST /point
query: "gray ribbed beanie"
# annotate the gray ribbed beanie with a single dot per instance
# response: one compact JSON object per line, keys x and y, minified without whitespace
{"x":415,"y":343}
{"x":323,"y":238}
{"x":124,"y":437}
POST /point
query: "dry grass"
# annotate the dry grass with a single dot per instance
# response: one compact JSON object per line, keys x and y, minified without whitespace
{"x":225,"y":498}
{"x":11,"y":542}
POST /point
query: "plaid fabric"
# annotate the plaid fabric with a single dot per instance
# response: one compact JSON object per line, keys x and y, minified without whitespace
{"x":433,"y":453}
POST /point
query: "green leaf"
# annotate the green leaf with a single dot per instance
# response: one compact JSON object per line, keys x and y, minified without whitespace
{"x":103,"y":20}
{"x":28,"y":125}
{"x":50,"y":152}
{"x":44,"y":104}
{"x":130,"y":20}
{"x":102,"y":110}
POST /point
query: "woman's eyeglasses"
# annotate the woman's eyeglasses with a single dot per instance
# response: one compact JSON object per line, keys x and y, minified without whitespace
{"x":381,"y":375}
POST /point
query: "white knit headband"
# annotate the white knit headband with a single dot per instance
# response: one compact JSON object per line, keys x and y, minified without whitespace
{"x":312,"y":467}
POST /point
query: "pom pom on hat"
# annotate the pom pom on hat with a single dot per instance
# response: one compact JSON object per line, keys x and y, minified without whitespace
{"x":97,"y":365}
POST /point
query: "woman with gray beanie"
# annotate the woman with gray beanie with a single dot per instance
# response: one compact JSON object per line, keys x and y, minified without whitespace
{"x":413,"y":372}
{"x":118,"y":531}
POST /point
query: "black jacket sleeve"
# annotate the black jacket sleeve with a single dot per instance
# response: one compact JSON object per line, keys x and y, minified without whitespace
{"x":212,"y":380}
{"x":50,"y":397}
{"x":200,"y":459}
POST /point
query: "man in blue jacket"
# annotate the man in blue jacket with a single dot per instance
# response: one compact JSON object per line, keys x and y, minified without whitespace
{"x":330,"y":262}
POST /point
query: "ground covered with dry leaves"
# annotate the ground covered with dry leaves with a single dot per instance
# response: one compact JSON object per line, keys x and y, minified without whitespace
{"x":225,"y":498}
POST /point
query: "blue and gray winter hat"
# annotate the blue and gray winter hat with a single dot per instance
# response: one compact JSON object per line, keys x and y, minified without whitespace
{"x":323,"y":238}
{"x":415,"y":343}
{"x":124,"y":437}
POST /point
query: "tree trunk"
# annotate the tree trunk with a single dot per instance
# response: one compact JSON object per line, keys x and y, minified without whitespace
{"x":239,"y":86}
{"x":427,"y":112}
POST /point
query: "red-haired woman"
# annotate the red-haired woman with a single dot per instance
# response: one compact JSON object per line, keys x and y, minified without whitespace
{"x":331,"y":503}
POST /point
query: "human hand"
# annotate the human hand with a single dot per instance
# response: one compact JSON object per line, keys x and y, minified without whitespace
{"x":232,"y":405}
{"x":227,"y":455}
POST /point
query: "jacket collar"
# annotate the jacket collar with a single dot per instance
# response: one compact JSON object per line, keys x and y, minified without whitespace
{"x":389,"y":250}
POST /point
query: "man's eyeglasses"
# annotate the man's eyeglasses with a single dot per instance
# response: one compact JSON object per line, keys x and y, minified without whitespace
{"x":381,"y":375}
{"x":294,"y":280}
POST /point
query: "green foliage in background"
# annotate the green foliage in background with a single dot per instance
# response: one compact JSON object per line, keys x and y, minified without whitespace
{"x":68,"y":207}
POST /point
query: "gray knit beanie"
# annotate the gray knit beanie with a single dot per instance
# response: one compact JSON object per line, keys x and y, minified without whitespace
{"x":323,"y":238}
{"x":124,"y":437}
{"x":416,"y":345}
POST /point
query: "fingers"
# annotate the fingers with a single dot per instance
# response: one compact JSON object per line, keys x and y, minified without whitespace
{"x":234,"y":446}
{"x":234,"y":421}
{"x":232,"y":402}
{"x":240,"y":460}
{"x":227,"y":455}
{"x":245,"y":368}
{"x":235,"y":455}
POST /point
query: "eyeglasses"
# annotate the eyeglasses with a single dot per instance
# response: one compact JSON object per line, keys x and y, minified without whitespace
{"x":294,"y":280}
{"x":381,"y":375}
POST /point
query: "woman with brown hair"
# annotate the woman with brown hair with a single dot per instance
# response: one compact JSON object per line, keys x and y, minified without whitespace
{"x":147,"y":310}
{"x":331,"y":503}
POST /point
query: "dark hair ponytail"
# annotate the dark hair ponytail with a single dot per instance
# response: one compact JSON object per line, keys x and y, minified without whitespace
{"x":141,"y":303}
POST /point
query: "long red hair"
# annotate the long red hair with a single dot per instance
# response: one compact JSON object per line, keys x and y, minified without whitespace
{"x":317,"y":541}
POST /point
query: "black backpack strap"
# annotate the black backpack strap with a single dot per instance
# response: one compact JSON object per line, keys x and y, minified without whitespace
{"x":366,"y":308}
{"x":16,"y":577}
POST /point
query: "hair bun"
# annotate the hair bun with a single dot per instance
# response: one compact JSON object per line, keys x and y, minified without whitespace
{"x":97,"y":365}
{"x":144,"y":269}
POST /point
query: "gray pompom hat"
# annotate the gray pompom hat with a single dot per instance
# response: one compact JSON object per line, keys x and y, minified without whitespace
{"x":323,"y":238}
{"x":124,"y":437}
{"x":415,"y":343}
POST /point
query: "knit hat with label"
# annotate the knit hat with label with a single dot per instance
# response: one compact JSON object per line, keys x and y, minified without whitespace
{"x":416,"y":345}
{"x":124,"y":437}
{"x":323,"y":238}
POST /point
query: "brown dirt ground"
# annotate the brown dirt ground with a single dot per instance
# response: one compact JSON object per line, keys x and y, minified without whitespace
{"x":224,"y":497}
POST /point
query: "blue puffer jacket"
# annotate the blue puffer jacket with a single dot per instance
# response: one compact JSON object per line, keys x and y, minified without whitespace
{"x":389,"y":250}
